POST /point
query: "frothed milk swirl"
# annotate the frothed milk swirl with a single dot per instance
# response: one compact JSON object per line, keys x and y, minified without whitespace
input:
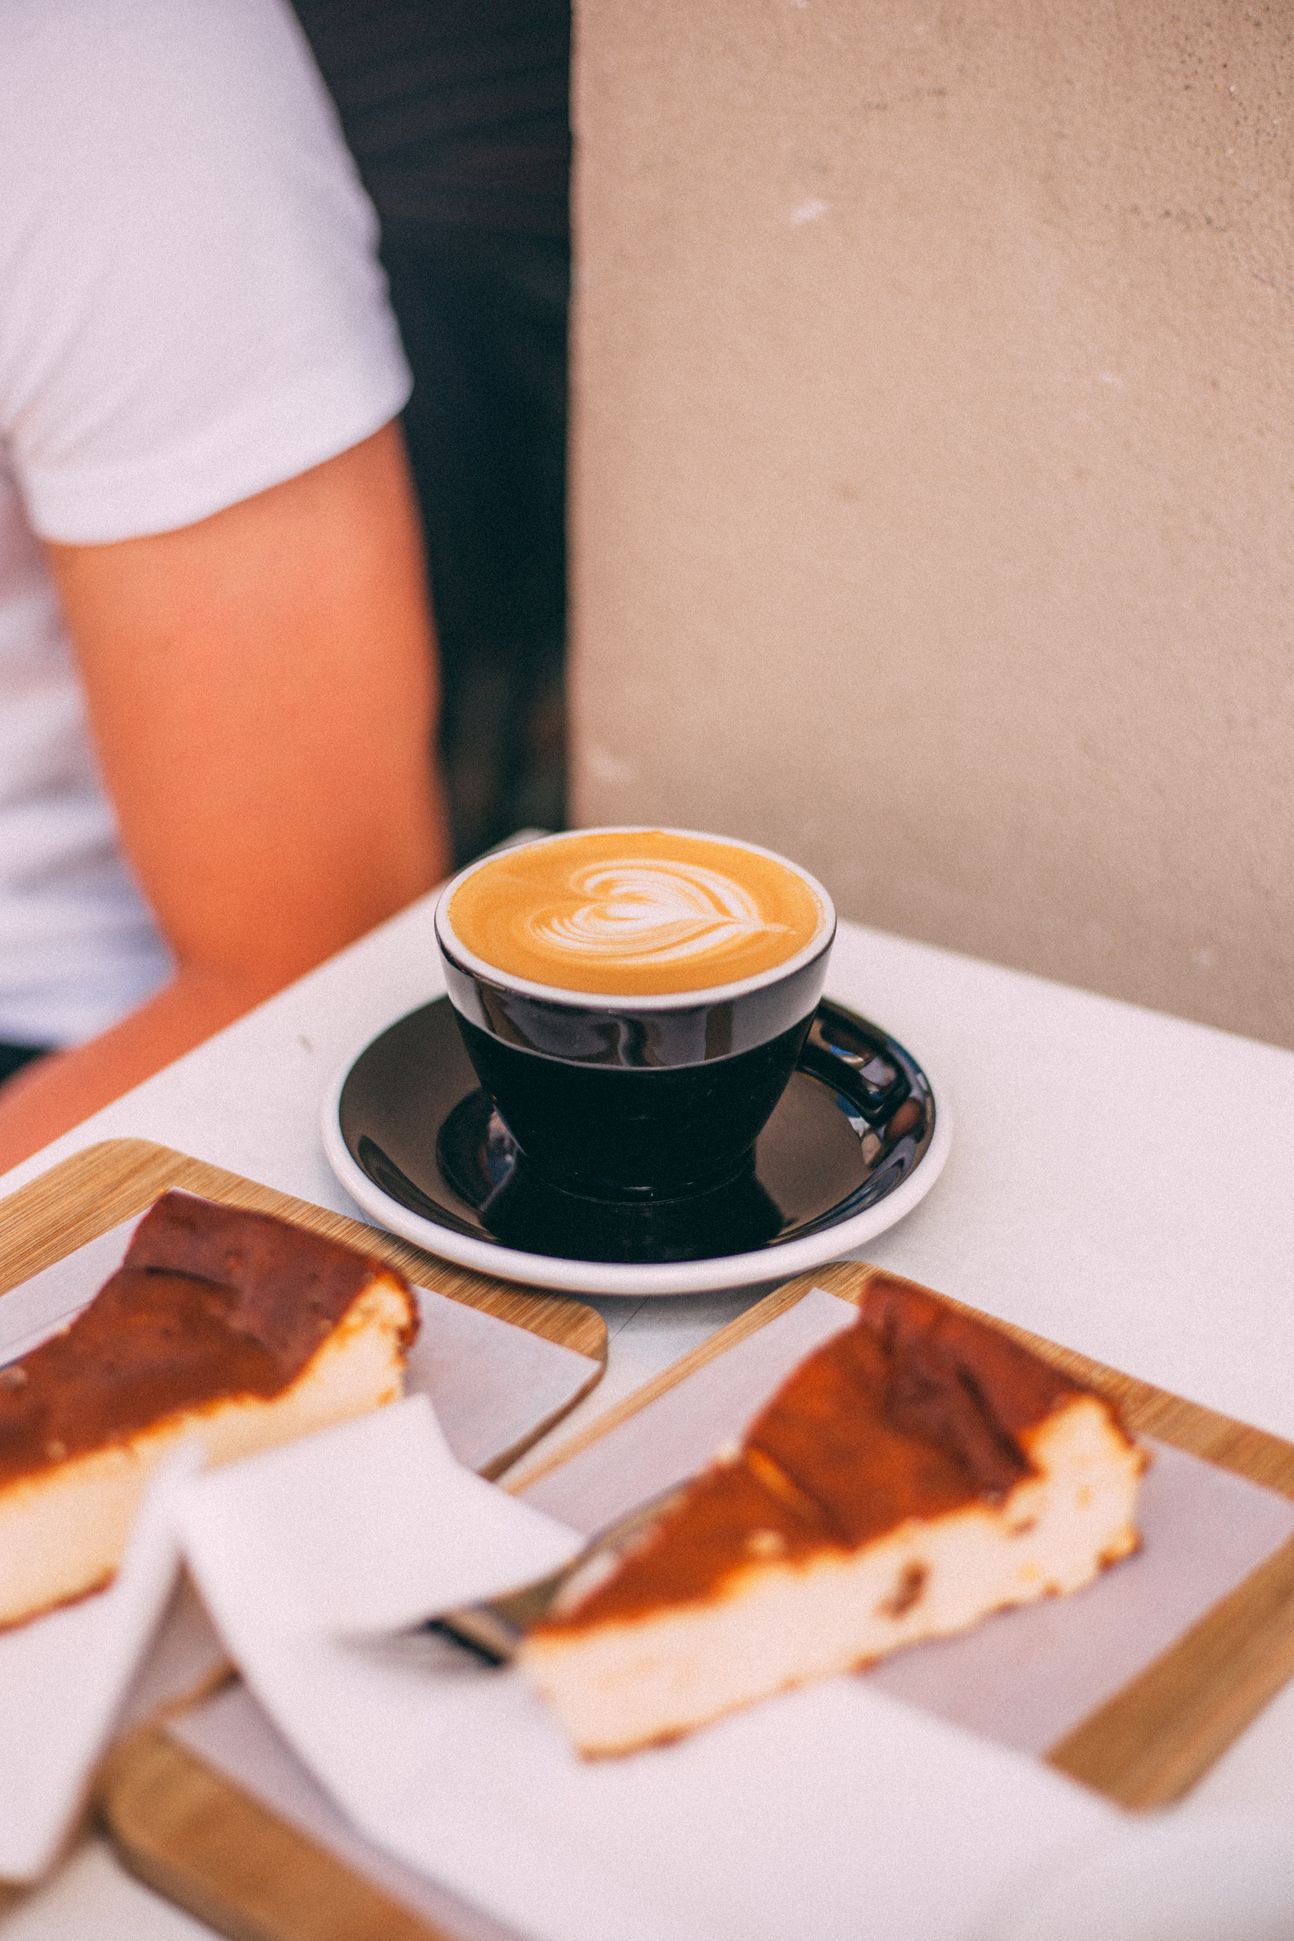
{"x":635,"y":913}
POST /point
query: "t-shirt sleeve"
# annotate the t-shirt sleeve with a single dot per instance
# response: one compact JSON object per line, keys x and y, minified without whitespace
{"x":191,"y":305}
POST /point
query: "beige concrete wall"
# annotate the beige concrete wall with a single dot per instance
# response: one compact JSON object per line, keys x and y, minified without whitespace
{"x":934,"y":467}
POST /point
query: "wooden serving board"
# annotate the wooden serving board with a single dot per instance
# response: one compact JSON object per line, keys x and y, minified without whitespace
{"x":1149,"y":1744}
{"x":214,"y":1848}
{"x":95,"y":1190}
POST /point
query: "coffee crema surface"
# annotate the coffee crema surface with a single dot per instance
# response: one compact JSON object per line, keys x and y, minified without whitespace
{"x":639,"y":913}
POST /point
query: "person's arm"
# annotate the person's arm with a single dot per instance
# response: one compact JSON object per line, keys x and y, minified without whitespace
{"x":261,"y":689}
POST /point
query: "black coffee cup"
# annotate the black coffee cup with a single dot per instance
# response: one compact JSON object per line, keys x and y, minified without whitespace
{"x":630,"y":1097}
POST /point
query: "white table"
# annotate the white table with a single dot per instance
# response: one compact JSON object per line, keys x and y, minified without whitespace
{"x":1119,"y":1181}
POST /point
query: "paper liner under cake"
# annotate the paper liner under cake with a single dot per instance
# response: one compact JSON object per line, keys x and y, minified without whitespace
{"x":917,"y":1472}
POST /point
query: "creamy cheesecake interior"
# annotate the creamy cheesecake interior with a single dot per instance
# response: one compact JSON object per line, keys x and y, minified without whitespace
{"x":915,"y":1474}
{"x":230,"y":1327}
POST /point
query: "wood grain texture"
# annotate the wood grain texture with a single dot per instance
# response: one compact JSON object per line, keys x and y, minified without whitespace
{"x":147,"y":1783}
{"x":1144,"y":1747}
{"x":204,"y":1843}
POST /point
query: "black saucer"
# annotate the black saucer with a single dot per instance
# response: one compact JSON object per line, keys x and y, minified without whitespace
{"x":855,"y":1122}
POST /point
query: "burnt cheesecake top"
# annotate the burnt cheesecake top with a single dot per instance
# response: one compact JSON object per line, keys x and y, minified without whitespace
{"x":211,"y":1303}
{"x":916,"y":1410}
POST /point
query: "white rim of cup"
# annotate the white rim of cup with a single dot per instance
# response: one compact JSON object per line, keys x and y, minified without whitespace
{"x":490,"y":973}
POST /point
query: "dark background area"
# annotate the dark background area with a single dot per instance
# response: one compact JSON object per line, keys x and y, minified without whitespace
{"x":457,"y":114}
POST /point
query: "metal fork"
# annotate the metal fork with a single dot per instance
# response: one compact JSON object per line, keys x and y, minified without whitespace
{"x":495,"y":1628}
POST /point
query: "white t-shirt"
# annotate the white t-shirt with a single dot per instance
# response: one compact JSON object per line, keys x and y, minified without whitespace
{"x":191,"y":310}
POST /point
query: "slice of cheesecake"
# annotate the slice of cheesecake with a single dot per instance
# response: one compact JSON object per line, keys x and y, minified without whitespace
{"x":233,"y":1327}
{"x":917,"y":1472}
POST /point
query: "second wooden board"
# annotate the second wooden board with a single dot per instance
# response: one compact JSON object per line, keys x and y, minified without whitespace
{"x":215,"y":1844}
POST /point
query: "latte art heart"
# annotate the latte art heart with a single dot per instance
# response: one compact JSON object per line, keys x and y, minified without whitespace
{"x":638,"y":912}
{"x":651,"y":913}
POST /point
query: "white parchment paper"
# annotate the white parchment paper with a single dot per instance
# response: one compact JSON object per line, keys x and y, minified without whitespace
{"x":65,"y":1679}
{"x":1030,"y":1675}
{"x":868,"y":1805}
{"x":788,"y":1819}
